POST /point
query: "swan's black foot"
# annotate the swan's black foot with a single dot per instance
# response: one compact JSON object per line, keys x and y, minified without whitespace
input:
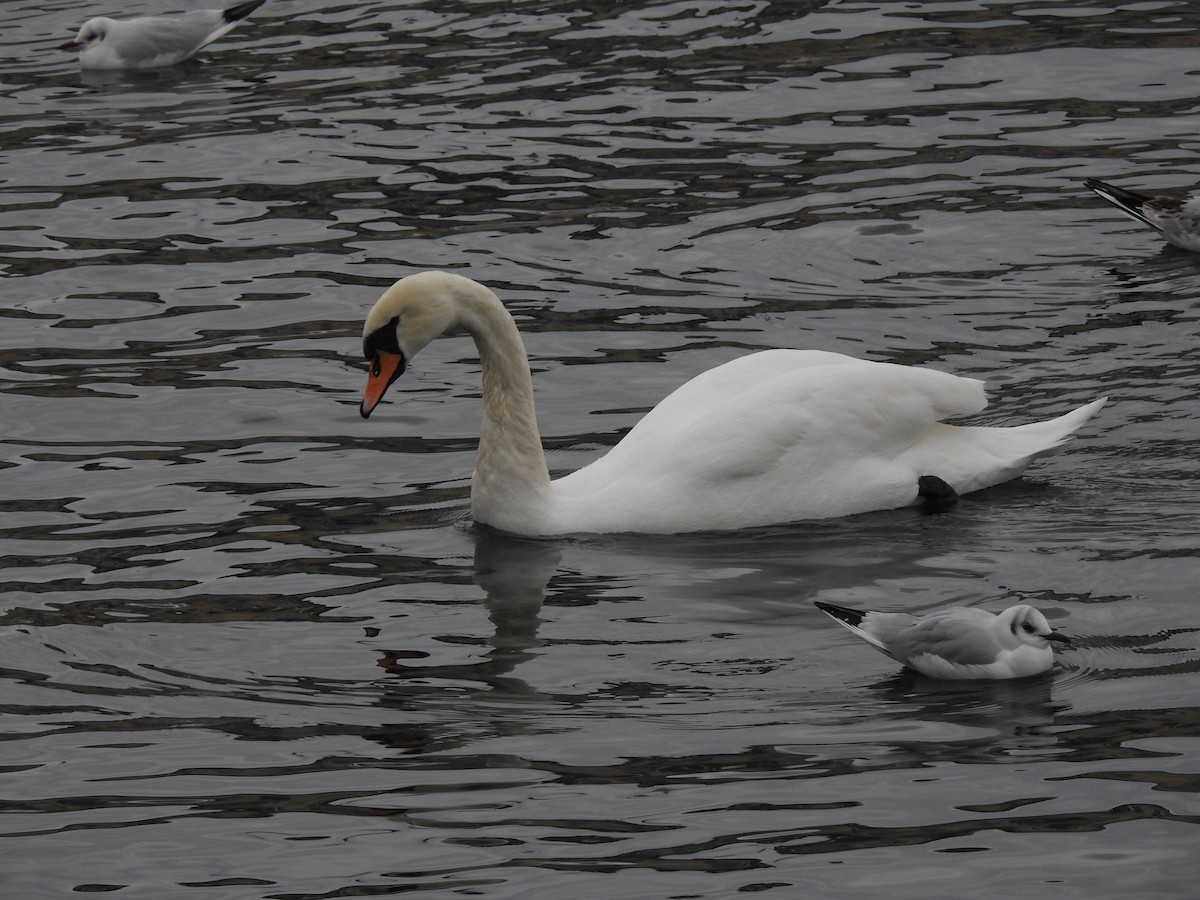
{"x":935,"y":495}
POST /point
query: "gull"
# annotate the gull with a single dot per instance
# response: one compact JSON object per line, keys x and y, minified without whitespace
{"x":960,"y":643}
{"x":1178,"y":221}
{"x":152,"y":42}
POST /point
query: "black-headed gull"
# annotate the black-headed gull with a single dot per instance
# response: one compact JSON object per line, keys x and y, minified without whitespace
{"x":1178,"y":221}
{"x":961,"y":643}
{"x":152,"y":42}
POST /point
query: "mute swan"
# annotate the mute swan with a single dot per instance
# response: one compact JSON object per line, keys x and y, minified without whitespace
{"x":776,"y":436}
{"x":959,"y":643}
{"x":1177,"y":221}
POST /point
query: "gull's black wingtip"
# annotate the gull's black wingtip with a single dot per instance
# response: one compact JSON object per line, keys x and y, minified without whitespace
{"x":841,"y":613}
{"x":1129,"y":202}
{"x":236,"y":13}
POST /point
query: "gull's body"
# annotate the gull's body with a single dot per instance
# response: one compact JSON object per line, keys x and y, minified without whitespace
{"x":1178,"y":221}
{"x":152,"y":42}
{"x":775,"y":436}
{"x":960,"y":643}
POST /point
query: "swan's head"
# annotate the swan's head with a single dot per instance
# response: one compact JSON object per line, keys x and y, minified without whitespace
{"x":1028,"y":626}
{"x":410,"y":314}
{"x":90,"y":35}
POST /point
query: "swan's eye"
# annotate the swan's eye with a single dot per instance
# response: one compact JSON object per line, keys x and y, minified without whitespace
{"x":1029,"y":629}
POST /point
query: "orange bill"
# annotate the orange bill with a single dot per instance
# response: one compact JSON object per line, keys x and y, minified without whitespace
{"x":385,"y":368}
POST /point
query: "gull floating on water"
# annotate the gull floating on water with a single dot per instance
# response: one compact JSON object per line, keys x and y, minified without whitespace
{"x":152,"y":42}
{"x":961,"y":643}
{"x":1178,"y":221}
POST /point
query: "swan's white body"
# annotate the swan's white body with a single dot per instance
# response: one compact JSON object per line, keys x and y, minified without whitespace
{"x":152,"y":42}
{"x":776,"y":436}
{"x":960,"y":643}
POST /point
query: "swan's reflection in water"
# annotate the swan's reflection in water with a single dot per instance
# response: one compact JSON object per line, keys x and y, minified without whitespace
{"x":455,"y":706}
{"x":513,"y":574}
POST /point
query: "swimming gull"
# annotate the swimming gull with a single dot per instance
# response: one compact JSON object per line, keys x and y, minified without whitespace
{"x":152,"y":42}
{"x":960,"y":643}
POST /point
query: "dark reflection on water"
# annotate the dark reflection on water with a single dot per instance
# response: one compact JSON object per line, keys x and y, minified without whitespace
{"x":254,"y":648}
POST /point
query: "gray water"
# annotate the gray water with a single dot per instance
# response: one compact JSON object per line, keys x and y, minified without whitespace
{"x":252,"y":646}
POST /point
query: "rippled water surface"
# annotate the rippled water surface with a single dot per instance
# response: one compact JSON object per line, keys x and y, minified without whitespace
{"x":252,"y":646}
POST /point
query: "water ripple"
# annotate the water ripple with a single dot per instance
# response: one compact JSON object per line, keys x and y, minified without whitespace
{"x":253,"y":646}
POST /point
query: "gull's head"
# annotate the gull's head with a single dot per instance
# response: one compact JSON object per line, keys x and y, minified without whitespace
{"x":410,"y":314}
{"x":90,"y":35}
{"x":1028,"y":626}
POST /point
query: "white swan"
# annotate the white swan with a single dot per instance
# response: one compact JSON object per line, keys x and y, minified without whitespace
{"x":776,"y":436}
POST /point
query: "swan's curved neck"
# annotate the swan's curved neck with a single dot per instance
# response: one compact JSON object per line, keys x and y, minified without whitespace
{"x":510,"y":489}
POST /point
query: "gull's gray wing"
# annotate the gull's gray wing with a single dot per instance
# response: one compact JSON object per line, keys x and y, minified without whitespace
{"x":961,"y":636}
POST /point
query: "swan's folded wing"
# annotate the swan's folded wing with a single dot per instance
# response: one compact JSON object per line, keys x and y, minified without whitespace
{"x":776,"y":436}
{"x":817,"y":414}
{"x":813,"y":391}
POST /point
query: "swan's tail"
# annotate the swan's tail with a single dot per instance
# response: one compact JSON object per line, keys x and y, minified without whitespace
{"x":973,"y":457}
{"x":1020,"y":445}
{"x":1053,"y":434}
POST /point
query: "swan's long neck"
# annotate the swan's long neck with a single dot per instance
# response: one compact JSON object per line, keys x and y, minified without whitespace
{"x":511,"y":486}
